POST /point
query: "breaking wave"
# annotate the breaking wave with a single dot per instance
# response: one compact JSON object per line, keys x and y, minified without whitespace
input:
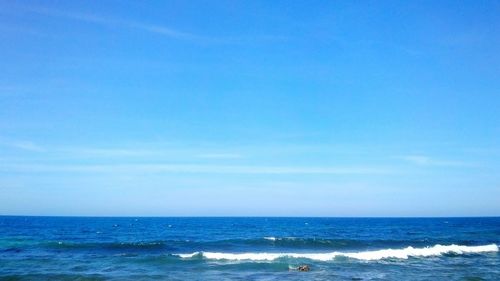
{"x":405,"y":253}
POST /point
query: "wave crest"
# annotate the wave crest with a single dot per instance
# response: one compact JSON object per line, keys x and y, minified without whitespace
{"x":405,"y":253}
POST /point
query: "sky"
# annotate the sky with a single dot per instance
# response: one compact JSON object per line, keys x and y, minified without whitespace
{"x":250,"y":108}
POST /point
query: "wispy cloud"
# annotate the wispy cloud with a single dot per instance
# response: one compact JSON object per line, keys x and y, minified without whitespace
{"x":107,"y":152}
{"x":423,"y":160}
{"x":142,"y":151}
{"x":22,"y":145}
{"x":120,"y":23}
{"x":157,"y":29}
{"x":188,"y":168}
{"x":220,"y":156}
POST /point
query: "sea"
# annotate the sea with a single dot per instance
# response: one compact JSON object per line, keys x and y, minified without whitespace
{"x":254,"y":248}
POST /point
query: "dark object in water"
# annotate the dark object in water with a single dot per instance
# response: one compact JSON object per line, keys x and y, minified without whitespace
{"x":303,"y":268}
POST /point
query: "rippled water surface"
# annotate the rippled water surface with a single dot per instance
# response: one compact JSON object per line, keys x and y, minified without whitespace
{"x":66,"y":248}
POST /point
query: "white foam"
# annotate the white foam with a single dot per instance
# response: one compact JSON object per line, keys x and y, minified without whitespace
{"x":366,"y":255}
{"x":270,"y":238}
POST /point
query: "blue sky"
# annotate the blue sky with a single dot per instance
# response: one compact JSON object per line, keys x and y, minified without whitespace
{"x":282,"y":108}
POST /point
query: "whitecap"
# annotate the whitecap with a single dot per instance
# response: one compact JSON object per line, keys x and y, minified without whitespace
{"x":404,"y":253}
{"x":270,"y":238}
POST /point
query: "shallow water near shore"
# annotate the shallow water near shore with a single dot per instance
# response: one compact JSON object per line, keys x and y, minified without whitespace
{"x":85,"y":248}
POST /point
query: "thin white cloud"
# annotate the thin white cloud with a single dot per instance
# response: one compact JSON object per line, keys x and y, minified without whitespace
{"x":189,"y":168}
{"x":142,"y":151}
{"x":107,"y":152}
{"x":220,"y":156}
{"x":157,"y":29}
{"x":423,"y":160}
{"x":113,"y":22}
{"x":22,"y":145}
{"x":417,"y":159}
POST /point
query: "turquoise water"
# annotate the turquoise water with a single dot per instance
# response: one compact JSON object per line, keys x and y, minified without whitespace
{"x":65,"y":248}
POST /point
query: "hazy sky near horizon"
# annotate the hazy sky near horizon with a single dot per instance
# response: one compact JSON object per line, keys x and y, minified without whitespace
{"x":282,"y":108}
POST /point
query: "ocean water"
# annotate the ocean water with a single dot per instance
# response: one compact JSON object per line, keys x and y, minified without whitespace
{"x":84,"y":248}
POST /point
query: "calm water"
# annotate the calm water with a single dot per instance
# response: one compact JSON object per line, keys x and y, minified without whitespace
{"x":59,"y":248}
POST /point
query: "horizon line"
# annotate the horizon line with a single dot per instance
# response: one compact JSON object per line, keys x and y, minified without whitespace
{"x":181,"y":216}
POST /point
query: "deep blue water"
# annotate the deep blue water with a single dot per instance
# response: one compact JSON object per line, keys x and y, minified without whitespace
{"x":70,"y":248}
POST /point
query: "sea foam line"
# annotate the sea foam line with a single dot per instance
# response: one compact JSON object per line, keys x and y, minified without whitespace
{"x":405,"y":253}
